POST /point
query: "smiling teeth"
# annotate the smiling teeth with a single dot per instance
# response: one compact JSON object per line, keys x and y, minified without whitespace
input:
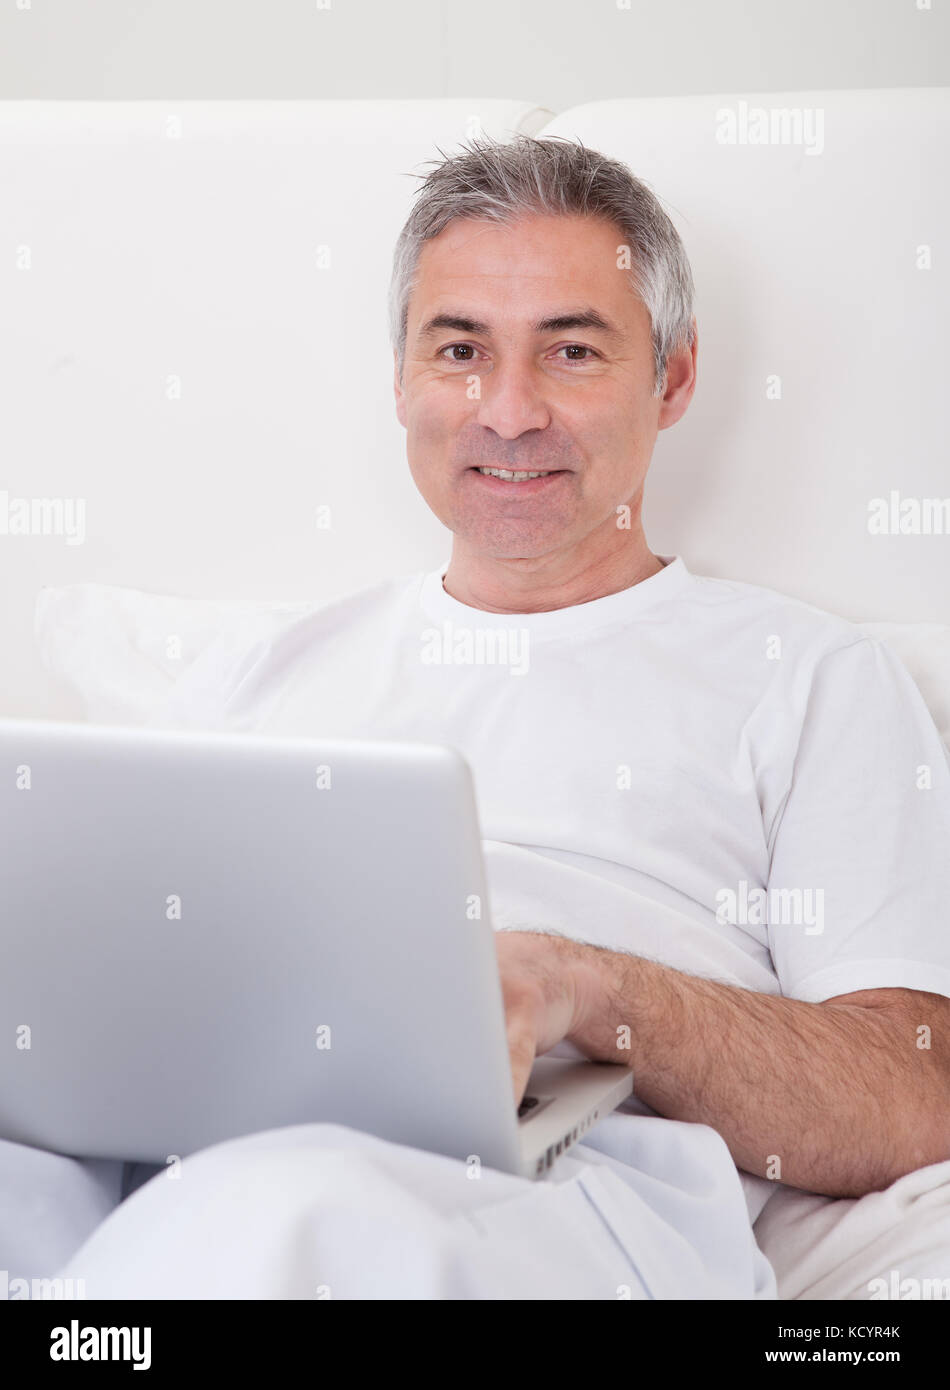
{"x":510,"y":477}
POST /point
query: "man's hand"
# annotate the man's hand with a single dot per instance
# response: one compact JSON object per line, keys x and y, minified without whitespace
{"x":840,"y":1097}
{"x":549,"y":988}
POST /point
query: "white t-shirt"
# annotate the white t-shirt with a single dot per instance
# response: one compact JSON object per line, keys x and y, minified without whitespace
{"x":700,"y":771}
{"x":649,"y":767}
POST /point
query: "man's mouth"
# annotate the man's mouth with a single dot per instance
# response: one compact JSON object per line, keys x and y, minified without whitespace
{"x":513,"y":476}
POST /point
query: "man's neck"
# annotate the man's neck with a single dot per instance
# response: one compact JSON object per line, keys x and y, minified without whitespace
{"x":539,"y":586}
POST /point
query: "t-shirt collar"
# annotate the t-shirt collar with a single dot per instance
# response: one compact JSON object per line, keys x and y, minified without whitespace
{"x":620,"y":607}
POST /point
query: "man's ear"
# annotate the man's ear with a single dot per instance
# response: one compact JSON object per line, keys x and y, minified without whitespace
{"x":399,"y":393}
{"x":680,"y":383}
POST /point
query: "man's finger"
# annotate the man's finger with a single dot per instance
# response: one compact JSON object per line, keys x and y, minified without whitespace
{"x":521,"y":1050}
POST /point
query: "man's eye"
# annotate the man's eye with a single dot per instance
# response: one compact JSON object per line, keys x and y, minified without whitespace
{"x":456,"y":347}
{"x":577,"y":347}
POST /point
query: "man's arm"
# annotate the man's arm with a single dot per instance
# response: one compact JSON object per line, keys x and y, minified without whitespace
{"x":848,"y":1094}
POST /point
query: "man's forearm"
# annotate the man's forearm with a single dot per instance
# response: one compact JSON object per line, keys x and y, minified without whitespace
{"x":838,"y":1094}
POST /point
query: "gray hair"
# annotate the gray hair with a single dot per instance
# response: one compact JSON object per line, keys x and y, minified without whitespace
{"x":502,"y":181}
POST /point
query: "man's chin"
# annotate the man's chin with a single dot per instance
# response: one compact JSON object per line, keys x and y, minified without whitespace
{"x":506,"y":538}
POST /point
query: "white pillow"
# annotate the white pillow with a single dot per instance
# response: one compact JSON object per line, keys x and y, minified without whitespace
{"x":122,"y":650}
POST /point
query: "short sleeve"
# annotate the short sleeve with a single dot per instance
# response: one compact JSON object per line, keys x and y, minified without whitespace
{"x":859,"y":880}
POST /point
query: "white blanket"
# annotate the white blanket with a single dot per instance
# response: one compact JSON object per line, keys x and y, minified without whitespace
{"x":647,"y":1208}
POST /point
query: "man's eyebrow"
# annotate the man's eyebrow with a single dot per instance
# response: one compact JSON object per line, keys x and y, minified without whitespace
{"x":556,"y":323}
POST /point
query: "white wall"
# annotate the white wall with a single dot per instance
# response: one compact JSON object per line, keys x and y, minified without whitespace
{"x":557,"y":53}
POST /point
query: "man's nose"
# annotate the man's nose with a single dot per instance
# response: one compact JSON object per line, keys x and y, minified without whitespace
{"x":512,"y":400}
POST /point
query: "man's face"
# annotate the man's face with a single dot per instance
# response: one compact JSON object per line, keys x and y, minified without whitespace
{"x":512,"y":380}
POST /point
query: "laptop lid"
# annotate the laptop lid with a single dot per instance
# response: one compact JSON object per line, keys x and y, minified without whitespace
{"x":208,"y":934}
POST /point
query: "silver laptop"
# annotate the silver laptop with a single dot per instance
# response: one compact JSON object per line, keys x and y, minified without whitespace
{"x":204,"y":935}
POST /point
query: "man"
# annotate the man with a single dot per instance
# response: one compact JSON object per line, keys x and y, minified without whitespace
{"x":708,"y":837}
